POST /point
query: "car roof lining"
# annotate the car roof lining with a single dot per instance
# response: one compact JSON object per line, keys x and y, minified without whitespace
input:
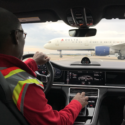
{"x":56,"y":10}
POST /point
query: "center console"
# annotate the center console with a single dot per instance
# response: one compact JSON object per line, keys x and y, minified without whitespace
{"x":86,"y":115}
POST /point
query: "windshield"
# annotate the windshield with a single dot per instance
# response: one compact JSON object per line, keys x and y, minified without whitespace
{"x":52,"y":38}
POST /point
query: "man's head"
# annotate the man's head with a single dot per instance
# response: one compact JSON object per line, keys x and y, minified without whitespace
{"x":12,"y":37}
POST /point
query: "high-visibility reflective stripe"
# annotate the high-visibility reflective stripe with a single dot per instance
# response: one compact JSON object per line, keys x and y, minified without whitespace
{"x":32,"y":81}
{"x":41,"y":85}
{"x":17,"y":90}
{"x":20,"y":95}
{"x":8,"y":70}
{"x":14,"y":72}
{"x":22,"y":98}
{"x":11,"y":71}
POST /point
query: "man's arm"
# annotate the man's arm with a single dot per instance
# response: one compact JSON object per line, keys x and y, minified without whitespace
{"x":39,"y":58}
{"x":38,"y":112}
{"x":31,"y":64}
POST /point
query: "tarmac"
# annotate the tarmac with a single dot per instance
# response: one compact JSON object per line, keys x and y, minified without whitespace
{"x":105,"y":62}
{"x":56,"y":58}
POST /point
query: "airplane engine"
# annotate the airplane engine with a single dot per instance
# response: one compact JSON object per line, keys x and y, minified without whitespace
{"x":103,"y":51}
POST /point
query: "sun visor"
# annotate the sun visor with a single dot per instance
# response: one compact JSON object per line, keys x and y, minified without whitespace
{"x":29,"y":19}
{"x":37,"y":16}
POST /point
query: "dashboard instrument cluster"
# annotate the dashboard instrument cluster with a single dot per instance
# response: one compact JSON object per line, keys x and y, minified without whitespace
{"x":42,"y":69}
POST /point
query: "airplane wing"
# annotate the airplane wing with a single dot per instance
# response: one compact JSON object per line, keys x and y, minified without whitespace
{"x":118,"y":46}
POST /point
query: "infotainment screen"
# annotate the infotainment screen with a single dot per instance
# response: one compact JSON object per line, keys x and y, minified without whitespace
{"x":85,"y":77}
{"x":115,"y":77}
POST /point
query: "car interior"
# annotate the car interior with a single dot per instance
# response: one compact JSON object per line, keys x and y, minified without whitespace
{"x":105,"y":86}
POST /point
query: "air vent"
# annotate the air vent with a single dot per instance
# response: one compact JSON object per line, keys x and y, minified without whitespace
{"x":88,"y":92}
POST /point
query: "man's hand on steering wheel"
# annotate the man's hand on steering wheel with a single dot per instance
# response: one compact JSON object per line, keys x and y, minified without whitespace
{"x":40,"y":58}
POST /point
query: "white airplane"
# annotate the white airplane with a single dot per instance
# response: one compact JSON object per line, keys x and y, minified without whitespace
{"x":101,"y":46}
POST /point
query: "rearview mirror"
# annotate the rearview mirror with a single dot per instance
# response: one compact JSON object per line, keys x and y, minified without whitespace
{"x":82,"y":32}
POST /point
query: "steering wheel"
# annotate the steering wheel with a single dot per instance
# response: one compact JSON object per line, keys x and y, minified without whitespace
{"x":49,"y":77}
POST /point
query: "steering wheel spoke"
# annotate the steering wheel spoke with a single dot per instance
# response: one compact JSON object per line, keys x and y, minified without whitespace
{"x":43,"y":76}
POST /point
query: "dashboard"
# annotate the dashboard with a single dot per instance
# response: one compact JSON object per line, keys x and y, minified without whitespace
{"x":85,"y":77}
{"x":98,"y":83}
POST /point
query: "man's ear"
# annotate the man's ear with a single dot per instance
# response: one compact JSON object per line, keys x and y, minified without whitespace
{"x":15,"y":37}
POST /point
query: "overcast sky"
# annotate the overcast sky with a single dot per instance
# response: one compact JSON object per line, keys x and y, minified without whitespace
{"x":40,"y":33}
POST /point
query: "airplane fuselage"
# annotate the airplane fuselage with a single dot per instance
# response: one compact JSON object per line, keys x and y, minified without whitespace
{"x":80,"y":43}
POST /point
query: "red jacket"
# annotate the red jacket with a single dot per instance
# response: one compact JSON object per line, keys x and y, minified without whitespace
{"x":36,"y":109}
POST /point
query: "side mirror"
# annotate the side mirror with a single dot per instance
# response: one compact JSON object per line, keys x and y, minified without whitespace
{"x":82,"y":32}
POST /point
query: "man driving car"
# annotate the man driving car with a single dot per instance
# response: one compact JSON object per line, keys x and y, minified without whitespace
{"x":27,"y":91}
